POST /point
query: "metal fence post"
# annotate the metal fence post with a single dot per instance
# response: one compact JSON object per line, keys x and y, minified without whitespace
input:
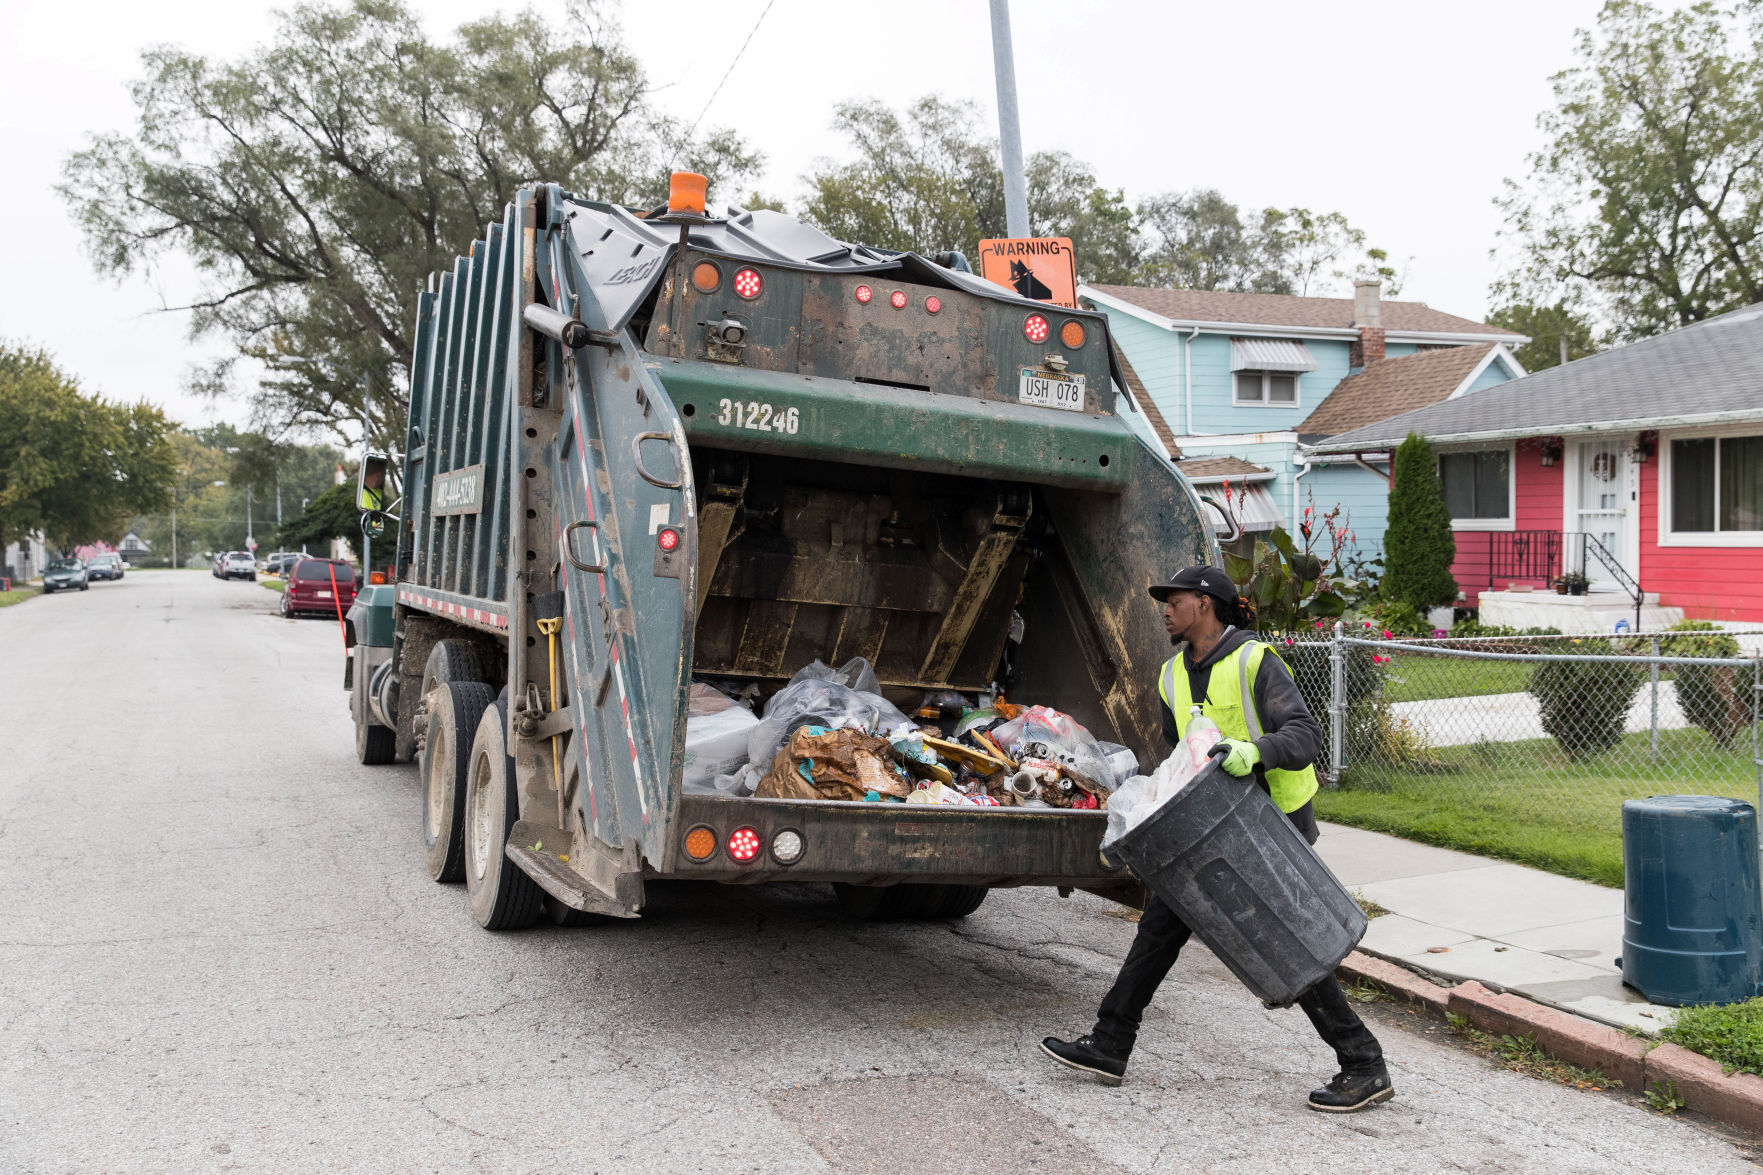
{"x":1653,"y":671}
{"x":1756,"y":706}
{"x":1337,"y":704}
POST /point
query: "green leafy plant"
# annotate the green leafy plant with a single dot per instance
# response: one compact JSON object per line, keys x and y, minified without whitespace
{"x":1418,"y":545}
{"x":1584,"y":704}
{"x":1663,"y":1097}
{"x":1400,"y":618}
{"x":1575,"y":582}
{"x":1729,"y":1033}
{"x":1711,"y":695}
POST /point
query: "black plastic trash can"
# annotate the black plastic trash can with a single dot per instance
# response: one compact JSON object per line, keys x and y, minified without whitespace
{"x":1693,"y":926}
{"x":1243,"y":879}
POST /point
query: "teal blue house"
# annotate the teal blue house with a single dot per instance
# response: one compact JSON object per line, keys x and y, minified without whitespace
{"x":1244,"y":385}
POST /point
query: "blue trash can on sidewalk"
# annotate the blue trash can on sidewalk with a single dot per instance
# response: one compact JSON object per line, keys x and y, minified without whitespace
{"x":1234,"y":869}
{"x":1693,"y":930}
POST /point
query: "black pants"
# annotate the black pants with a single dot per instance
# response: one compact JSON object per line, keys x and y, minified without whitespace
{"x":1161,"y":936}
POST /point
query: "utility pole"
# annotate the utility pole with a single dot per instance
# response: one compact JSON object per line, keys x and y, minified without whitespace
{"x":1009,"y":128}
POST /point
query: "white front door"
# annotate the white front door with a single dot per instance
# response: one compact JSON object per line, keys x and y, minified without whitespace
{"x":1605,"y":499}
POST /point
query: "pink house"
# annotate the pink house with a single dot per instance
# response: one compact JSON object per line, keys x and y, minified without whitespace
{"x":1640,"y":468}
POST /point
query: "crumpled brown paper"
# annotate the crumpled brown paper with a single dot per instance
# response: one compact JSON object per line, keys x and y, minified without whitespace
{"x":842,"y":764}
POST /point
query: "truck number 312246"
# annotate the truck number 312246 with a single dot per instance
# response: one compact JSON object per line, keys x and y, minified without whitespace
{"x":762,"y":417}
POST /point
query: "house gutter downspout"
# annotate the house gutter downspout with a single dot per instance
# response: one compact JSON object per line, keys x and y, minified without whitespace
{"x":1187,"y":375}
{"x":1388,"y":477}
{"x":1300,"y":459}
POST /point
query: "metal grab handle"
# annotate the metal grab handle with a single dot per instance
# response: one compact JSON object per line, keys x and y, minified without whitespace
{"x":569,"y":547}
{"x":1230,"y":522}
{"x":637,"y":456}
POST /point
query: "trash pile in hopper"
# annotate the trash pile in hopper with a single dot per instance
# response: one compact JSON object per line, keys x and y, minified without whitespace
{"x":830,"y":735}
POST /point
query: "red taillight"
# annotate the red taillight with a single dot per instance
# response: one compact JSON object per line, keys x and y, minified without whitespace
{"x":898,"y":299}
{"x":1035,"y":328}
{"x":743,"y":844}
{"x":864,"y":294}
{"x":933,"y":304}
{"x":667,"y":538}
{"x":748,"y":284}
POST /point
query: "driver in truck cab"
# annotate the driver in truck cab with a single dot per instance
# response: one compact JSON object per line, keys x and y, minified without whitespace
{"x":1272,"y":741}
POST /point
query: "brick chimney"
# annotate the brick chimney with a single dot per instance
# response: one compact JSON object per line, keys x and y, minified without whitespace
{"x":1368,"y":317}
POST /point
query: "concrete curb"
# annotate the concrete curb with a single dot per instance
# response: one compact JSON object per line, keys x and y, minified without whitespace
{"x":1638,"y":1064}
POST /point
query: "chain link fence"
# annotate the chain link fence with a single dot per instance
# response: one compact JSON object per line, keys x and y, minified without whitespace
{"x":1526,"y":746}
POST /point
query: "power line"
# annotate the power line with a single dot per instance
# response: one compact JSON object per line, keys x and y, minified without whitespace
{"x":730,"y":70}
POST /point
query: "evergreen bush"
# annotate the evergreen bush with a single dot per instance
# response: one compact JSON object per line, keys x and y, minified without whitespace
{"x":1711,"y":696}
{"x":1584,"y":704}
{"x":1418,"y":544}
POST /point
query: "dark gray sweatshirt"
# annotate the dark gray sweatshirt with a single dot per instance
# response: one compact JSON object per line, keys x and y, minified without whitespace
{"x":1291,"y":738}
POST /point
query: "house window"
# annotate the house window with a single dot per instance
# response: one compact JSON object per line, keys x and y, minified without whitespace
{"x":1478,"y":485}
{"x":1717,"y":485}
{"x":1267,"y":387}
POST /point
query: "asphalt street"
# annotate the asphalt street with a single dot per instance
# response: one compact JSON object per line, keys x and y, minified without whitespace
{"x":222,"y":953}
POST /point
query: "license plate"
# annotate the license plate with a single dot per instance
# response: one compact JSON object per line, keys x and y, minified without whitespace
{"x":1048,"y":392}
{"x":323,"y":595}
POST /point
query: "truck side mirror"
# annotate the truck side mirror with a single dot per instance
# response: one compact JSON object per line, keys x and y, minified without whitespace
{"x":373,"y":523}
{"x":370,"y":484}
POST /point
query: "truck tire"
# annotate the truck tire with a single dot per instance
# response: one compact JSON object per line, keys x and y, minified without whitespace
{"x":896,"y":903}
{"x":456,"y":709}
{"x":452,"y":659}
{"x":374,"y":743}
{"x":562,"y":915}
{"x":500,"y":894}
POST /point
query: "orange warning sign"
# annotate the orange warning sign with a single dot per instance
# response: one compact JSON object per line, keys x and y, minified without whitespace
{"x":1041,"y":268}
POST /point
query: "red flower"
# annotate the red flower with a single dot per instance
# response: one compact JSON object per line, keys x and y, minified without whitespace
{"x":1386,"y":634}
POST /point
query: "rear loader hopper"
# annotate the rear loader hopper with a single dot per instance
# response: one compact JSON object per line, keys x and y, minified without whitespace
{"x":652,"y":447}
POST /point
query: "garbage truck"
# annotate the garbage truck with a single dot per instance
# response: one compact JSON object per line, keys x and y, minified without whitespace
{"x":649,"y":447}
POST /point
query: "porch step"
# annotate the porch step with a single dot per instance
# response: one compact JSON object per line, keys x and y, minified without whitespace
{"x":1594,"y":612}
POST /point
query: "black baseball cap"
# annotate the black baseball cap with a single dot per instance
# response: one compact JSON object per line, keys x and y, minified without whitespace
{"x":1211,"y":580}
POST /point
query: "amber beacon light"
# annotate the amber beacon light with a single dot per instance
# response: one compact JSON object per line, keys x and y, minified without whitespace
{"x":685,"y":192}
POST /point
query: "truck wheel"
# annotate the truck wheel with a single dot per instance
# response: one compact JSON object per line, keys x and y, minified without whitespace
{"x":957,"y":901}
{"x":452,"y":660}
{"x":455,"y":710}
{"x":374,"y":743}
{"x":500,"y":894}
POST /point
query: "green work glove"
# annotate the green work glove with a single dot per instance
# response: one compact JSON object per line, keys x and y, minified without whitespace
{"x":1243,"y":755}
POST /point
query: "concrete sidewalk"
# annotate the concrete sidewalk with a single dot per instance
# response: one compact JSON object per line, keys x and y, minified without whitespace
{"x":1508,"y":718}
{"x":1550,"y":938}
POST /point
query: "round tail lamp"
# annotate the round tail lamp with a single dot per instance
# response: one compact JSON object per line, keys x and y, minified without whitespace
{"x":1072,"y":333}
{"x":864,"y":294}
{"x":743,"y":844}
{"x":932,"y":304}
{"x":1035,"y":329}
{"x":700,"y":843}
{"x":706,"y":277}
{"x":748,"y":284}
{"x":897,"y":299}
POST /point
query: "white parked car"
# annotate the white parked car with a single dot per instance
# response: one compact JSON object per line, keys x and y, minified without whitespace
{"x":238,"y":565}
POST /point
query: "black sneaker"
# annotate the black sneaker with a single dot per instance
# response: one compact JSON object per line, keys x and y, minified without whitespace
{"x":1085,"y":1054}
{"x":1348,"y":1094}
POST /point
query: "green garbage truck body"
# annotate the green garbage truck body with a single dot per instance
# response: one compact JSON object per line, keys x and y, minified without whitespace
{"x":724,"y":448}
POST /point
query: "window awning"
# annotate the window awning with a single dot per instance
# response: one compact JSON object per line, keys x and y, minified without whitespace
{"x":1270,"y":355}
{"x":1256,"y":511}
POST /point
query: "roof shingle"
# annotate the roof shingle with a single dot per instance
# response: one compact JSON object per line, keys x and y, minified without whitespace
{"x":1292,"y":310}
{"x":1196,"y":468}
{"x":1706,"y":372}
{"x":1390,"y":387}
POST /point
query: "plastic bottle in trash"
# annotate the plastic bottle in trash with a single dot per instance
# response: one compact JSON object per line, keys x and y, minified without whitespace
{"x":1203,"y":734}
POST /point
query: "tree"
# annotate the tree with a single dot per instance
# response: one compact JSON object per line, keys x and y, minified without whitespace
{"x":1418,"y":545}
{"x":1199,"y":240}
{"x":929,"y":180}
{"x":331,"y":515}
{"x":1554,"y":331}
{"x":316,"y":183}
{"x":1647,"y":202}
{"x":73,"y":467}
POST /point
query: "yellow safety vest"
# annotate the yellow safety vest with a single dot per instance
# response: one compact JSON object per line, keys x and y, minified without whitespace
{"x":1230,"y":702}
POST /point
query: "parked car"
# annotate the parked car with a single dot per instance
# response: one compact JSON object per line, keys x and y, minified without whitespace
{"x":219,"y":562}
{"x":279,"y":562}
{"x":104,"y":565}
{"x":63,"y":575}
{"x":238,"y":565}
{"x":308,"y":589}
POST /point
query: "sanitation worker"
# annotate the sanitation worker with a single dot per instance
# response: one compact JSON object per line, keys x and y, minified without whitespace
{"x":1272,"y":741}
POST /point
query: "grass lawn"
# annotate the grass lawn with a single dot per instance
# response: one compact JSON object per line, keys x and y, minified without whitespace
{"x":19,"y":595}
{"x":1731,"y":1034}
{"x":1416,"y":678}
{"x":1527,"y":802}
{"x":273,"y":584}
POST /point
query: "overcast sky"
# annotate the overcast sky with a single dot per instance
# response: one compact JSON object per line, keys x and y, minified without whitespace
{"x":1406,"y":117}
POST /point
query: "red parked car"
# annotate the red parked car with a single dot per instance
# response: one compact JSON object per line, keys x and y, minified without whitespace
{"x":308,"y":588}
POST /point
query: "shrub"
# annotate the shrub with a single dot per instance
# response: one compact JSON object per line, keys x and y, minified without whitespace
{"x":1729,"y":1033}
{"x":1584,"y":704}
{"x":1400,"y":618}
{"x":1711,"y":695}
{"x":1418,"y":545}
